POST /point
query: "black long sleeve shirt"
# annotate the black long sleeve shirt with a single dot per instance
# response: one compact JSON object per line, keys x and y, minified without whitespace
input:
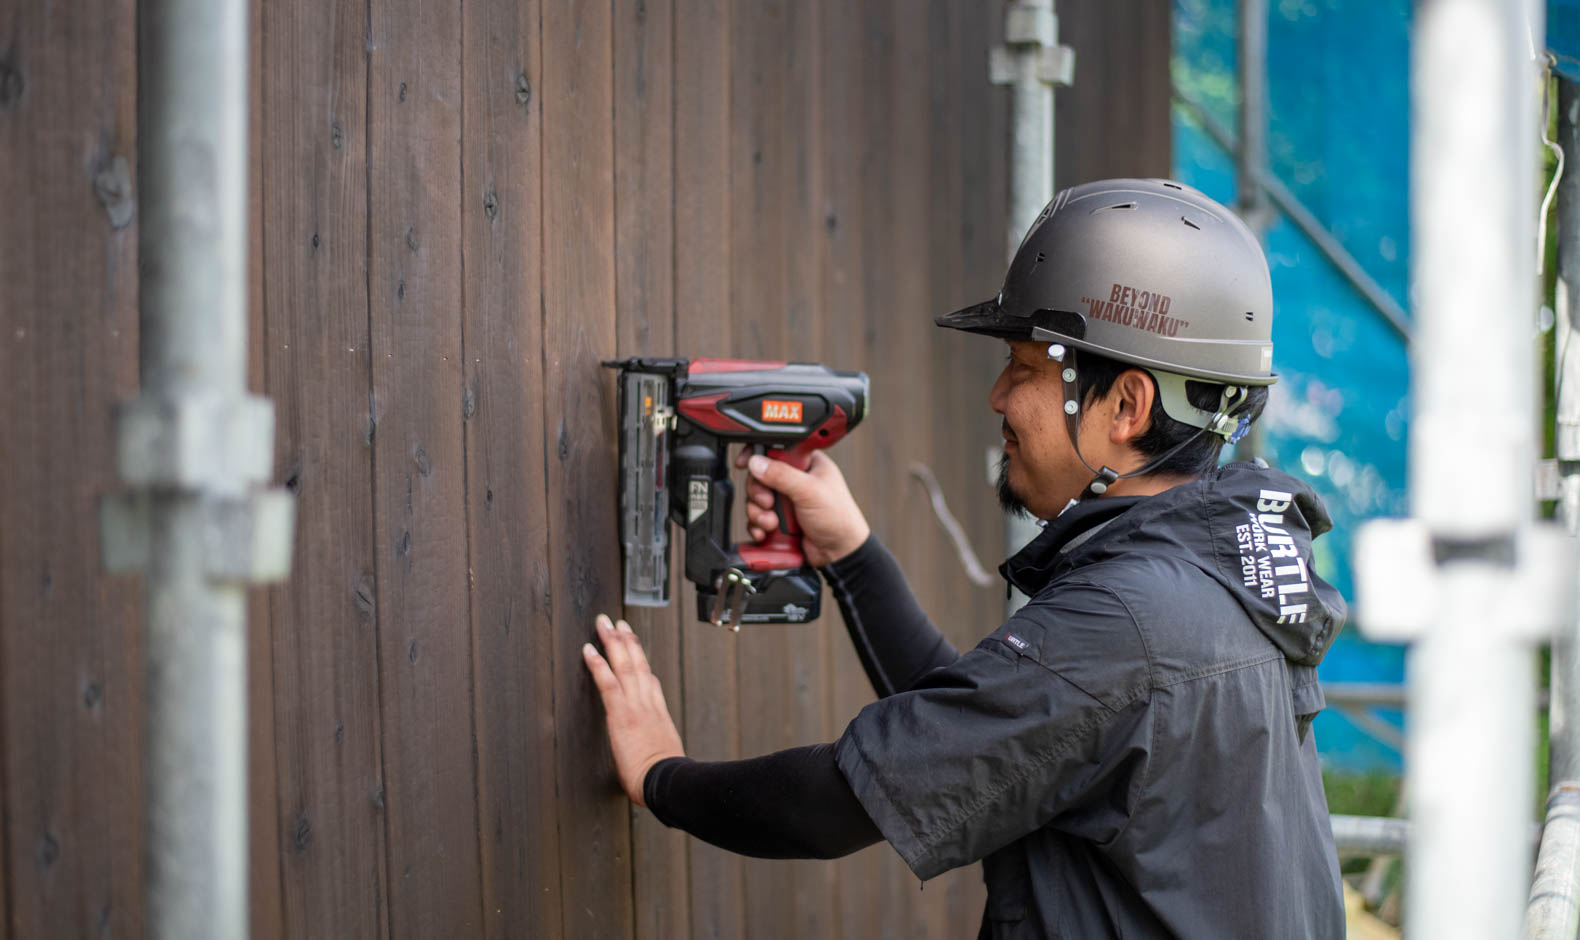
{"x":796,"y":803}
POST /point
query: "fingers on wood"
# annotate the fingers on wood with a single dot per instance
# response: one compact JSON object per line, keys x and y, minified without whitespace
{"x":603,"y":676}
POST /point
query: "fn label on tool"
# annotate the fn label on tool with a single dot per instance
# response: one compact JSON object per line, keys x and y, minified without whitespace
{"x":697,"y":499}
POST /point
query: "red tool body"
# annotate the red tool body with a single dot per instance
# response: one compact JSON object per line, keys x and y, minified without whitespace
{"x":786,"y":411}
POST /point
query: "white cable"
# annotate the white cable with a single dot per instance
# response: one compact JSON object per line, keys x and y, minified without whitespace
{"x":968,"y":557}
{"x":1558,"y":172}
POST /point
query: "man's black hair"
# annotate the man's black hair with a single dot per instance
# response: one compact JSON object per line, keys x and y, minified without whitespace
{"x":1095,"y":375}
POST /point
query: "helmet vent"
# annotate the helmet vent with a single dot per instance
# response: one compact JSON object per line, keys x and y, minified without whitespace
{"x":1120,"y":205}
{"x":1174,"y":186}
{"x":1041,"y":257}
{"x":1187,"y":221}
{"x":1249,"y":316}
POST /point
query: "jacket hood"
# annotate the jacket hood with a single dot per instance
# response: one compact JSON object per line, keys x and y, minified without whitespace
{"x":1247,"y":527}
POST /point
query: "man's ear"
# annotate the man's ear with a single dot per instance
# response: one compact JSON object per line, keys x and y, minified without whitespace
{"x":1133,"y":394}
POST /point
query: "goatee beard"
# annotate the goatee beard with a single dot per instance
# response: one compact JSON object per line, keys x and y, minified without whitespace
{"x":1007,"y":497}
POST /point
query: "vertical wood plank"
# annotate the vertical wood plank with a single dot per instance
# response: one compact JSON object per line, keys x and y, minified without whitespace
{"x":904,"y":341}
{"x":644,"y":122}
{"x":414,"y":286}
{"x":1121,"y":87}
{"x":760,"y":155}
{"x":986,"y":171}
{"x":705,"y":326}
{"x":263,"y":836}
{"x":508,"y":519}
{"x":580,"y":438}
{"x":70,"y":689}
{"x":801,"y":179}
{"x":845,"y":113}
{"x":962,"y":420}
{"x":326,"y":817}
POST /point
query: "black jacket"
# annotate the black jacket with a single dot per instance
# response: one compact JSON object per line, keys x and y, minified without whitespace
{"x":1129,"y":755}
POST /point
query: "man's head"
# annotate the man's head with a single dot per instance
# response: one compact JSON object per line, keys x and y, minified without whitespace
{"x":1123,"y":425}
{"x":1139,"y":316}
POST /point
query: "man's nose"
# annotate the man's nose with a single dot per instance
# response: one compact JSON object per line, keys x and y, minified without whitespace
{"x":999,"y":391}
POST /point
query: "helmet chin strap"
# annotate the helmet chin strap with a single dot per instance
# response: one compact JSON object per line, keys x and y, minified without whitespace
{"x":1106,"y":477}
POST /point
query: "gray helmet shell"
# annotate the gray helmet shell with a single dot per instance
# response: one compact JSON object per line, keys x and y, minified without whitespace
{"x":1149,"y":272}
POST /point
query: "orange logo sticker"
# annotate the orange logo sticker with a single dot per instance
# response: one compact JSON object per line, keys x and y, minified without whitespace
{"x":784,"y":412}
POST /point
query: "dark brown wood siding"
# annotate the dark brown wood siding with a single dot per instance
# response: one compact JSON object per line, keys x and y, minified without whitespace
{"x":457,"y":213}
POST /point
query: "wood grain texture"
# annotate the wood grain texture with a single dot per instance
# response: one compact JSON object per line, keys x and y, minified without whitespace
{"x":458,"y":211}
{"x":760,"y":157}
{"x":263,"y":835}
{"x":843,"y":114}
{"x":327,"y":814}
{"x":1121,"y":87}
{"x":965,"y":427}
{"x":414,"y":301}
{"x":70,"y":653}
{"x":579,"y":437}
{"x":508,"y":521}
{"x":705,"y":325}
{"x":644,"y":168}
{"x":810,"y":885}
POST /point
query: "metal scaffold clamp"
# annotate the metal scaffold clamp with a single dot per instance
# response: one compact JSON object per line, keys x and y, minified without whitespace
{"x":1401,"y":570}
{"x":1031,"y":50}
{"x":219,"y":450}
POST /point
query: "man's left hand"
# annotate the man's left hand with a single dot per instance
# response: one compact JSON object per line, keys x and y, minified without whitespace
{"x":640,"y":729}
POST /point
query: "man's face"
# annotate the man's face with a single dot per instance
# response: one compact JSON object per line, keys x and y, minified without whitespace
{"x":1040,"y":472}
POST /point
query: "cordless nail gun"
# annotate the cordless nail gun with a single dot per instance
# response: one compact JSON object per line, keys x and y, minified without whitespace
{"x":678,"y":418}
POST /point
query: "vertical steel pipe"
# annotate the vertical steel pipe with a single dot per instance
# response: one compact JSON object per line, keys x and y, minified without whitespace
{"x":1473,"y":213}
{"x":1031,"y":117}
{"x":1251,"y":154}
{"x":192,"y":178}
{"x":1554,"y":910}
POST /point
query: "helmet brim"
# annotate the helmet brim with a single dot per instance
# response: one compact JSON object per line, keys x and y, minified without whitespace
{"x":987,"y":318}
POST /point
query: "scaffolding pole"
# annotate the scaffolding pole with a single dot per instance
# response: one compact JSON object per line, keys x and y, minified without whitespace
{"x":192,"y":449}
{"x":1251,"y":154}
{"x":1554,"y":910}
{"x":1470,"y":581}
{"x":1031,"y":62}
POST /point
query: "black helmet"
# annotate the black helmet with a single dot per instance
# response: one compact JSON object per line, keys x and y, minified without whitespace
{"x":1147,"y":272}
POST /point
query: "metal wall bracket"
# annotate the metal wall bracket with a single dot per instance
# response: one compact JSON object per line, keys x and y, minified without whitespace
{"x":1053,"y":66}
{"x":1031,"y":49}
{"x":1031,"y":23}
{"x":214,"y":449}
{"x":196,"y":442}
{"x":1552,"y":476}
{"x":247,"y":539}
{"x":1398,"y":576}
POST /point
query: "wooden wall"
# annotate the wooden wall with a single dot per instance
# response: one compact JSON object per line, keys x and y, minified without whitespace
{"x":457,"y":212}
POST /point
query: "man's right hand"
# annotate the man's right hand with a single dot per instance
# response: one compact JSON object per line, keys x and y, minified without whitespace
{"x":832,"y":525}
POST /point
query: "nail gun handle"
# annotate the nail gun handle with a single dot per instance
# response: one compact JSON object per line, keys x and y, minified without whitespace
{"x":781,"y":549}
{"x":800,"y":460}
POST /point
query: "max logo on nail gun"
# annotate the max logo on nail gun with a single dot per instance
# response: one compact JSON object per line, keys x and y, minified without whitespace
{"x":783,"y":412}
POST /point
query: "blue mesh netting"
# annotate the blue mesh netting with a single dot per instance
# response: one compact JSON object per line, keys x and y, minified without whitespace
{"x":1338,"y":137}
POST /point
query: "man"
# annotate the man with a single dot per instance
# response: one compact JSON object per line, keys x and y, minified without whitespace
{"x":1129,"y":755}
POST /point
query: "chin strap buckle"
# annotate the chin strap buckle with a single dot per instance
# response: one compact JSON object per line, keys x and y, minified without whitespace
{"x":1105,"y":478}
{"x":1229,"y":427}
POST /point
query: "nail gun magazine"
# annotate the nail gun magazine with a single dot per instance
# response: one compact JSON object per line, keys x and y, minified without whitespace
{"x":678,"y":420}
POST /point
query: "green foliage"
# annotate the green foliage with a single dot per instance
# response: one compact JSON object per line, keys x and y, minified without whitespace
{"x":1370,"y":793}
